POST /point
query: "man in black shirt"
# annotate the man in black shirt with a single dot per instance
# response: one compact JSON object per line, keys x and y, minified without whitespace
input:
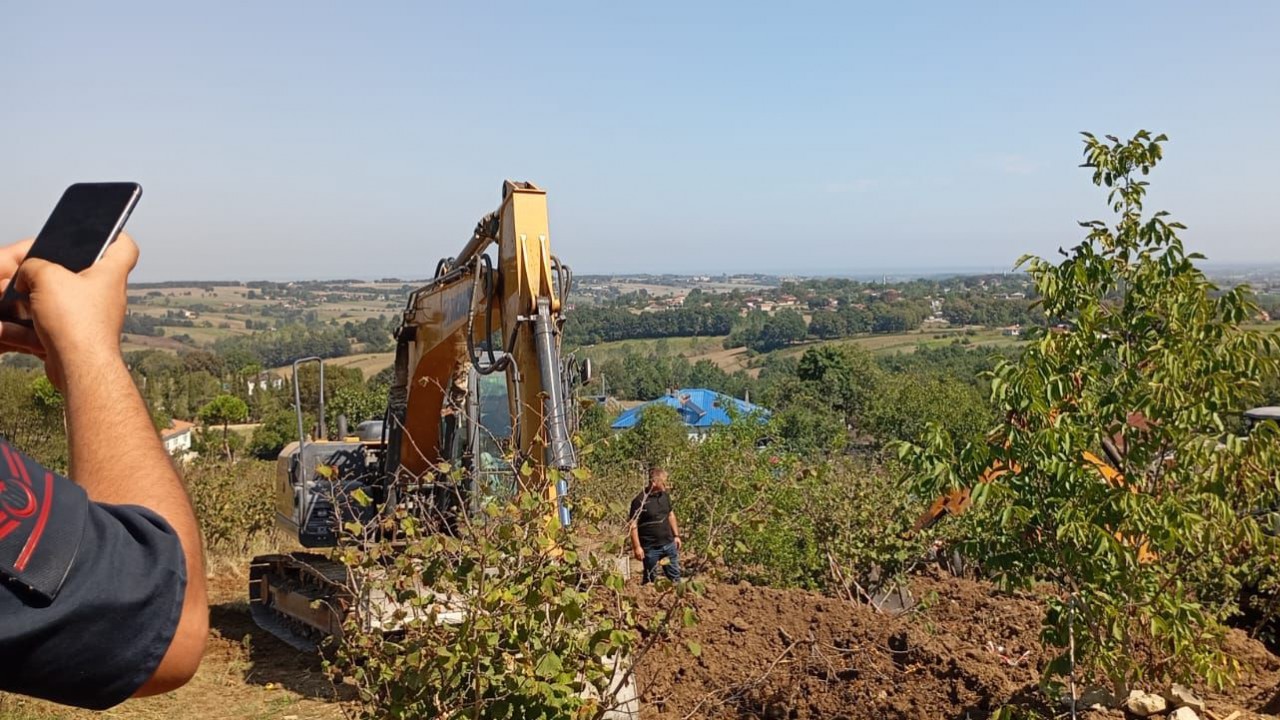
{"x":655,"y":534}
{"x":102,"y":592}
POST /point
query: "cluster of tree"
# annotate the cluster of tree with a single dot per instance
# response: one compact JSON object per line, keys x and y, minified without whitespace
{"x":840,"y":397}
{"x":834,"y":397}
{"x":587,"y":325}
{"x":373,"y":333}
{"x":206,"y":285}
{"x":877,"y":317}
{"x":177,"y":386}
{"x":987,"y":311}
{"x":285,"y":344}
{"x":150,"y":326}
{"x":644,"y":377}
{"x":762,"y":332}
{"x":347,"y":394}
{"x":135,"y":324}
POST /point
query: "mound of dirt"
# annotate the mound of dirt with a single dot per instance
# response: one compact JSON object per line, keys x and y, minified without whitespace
{"x":789,"y":654}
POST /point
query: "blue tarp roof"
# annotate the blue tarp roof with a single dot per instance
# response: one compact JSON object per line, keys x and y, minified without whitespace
{"x":699,"y":407}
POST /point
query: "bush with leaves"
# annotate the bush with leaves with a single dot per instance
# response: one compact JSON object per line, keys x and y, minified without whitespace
{"x":906,"y":403}
{"x":32,"y":417}
{"x":356,"y":403}
{"x":234,"y":503}
{"x":757,"y":512}
{"x":503,"y":615}
{"x":1153,"y":365}
{"x":277,"y":430}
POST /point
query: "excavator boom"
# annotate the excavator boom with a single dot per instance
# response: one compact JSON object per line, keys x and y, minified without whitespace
{"x":479,"y":384}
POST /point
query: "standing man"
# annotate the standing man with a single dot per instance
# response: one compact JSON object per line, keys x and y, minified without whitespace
{"x":655,"y":534}
{"x":102,"y":593}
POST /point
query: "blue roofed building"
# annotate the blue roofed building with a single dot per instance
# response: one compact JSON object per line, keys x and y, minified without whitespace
{"x":700,"y":408}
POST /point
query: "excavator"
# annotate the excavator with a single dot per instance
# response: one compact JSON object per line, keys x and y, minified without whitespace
{"x":479,"y":384}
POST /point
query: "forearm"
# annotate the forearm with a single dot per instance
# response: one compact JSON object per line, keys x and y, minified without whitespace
{"x":635,"y":537}
{"x":115,"y":453}
{"x":118,"y":459}
{"x":675,"y":526}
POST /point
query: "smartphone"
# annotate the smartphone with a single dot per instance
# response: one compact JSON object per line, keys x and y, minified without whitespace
{"x":83,"y":223}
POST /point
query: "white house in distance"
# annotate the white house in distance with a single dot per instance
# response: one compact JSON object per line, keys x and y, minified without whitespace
{"x":177,"y":438}
{"x":263,"y":380}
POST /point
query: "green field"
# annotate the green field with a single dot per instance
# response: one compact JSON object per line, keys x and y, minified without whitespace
{"x":369,"y":364}
{"x":222,"y":312}
{"x":689,"y":347}
{"x":712,"y":348}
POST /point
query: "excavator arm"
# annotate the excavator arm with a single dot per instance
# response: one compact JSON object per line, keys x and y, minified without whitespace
{"x":488,"y":316}
{"x":479,"y":384}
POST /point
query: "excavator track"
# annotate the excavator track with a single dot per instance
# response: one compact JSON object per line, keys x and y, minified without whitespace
{"x":301,"y":598}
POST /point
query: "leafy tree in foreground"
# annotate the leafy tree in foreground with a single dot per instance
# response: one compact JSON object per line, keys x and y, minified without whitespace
{"x":1156,"y":364}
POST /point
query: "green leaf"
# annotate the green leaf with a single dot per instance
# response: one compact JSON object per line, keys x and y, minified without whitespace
{"x":361,"y":497}
{"x":549,"y":666}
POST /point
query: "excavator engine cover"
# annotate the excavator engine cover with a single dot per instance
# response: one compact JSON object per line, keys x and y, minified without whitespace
{"x":323,"y":481}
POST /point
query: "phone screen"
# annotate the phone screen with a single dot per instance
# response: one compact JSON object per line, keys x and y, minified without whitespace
{"x":84,"y":222}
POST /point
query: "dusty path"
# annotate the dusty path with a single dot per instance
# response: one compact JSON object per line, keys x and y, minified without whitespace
{"x":760,"y":653}
{"x":246,"y":675}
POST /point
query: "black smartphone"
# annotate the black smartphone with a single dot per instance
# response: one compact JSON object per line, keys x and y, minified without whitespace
{"x":83,"y":223}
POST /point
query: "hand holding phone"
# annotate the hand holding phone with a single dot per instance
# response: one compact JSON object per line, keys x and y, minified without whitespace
{"x":85,"y":221}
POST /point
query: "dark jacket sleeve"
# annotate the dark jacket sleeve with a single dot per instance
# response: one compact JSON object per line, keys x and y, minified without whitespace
{"x":92,"y":593}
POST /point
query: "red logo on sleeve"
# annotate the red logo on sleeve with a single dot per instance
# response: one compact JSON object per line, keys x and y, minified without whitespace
{"x":19,"y":504}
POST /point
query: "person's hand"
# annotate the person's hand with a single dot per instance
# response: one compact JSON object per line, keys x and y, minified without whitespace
{"x":638,"y":554}
{"x":13,"y":336}
{"x":679,"y":545}
{"x":78,"y":317}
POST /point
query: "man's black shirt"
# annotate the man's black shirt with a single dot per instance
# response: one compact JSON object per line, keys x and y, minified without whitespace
{"x":91,"y":593}
{"x":651,"y":511}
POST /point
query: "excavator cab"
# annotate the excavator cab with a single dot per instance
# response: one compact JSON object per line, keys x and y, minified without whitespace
{"x":476,"y":438}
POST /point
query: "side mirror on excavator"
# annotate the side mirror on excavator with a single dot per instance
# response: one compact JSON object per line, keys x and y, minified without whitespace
{"x":585,"y":371}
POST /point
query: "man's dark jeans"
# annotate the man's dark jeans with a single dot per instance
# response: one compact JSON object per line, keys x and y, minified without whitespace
{"x":653,"y":556}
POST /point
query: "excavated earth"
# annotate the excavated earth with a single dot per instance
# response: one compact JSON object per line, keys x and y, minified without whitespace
{"x":963,"y":652}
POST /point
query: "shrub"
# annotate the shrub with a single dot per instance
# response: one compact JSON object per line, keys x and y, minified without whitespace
{"x":519,"y":622}
{"x":277,"y":430}
{"x":234,"y":502}
{"x":32,"y":417}
{"x":1147,"y":547}
{"x":752,"y":512}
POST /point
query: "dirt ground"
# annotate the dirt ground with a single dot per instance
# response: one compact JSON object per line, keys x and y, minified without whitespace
{"x":965,"y":651}
{"x":761,"y":653}
{"x":246,"y":675}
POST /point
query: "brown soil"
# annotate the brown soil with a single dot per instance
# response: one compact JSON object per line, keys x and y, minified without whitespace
{"x":964,"y":652}
{"x":764,"y":653}
{"x":730,"y":360}
{"x":246,"y":675}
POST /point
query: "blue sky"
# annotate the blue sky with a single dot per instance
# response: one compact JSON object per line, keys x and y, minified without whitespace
{"x":317,"y":139}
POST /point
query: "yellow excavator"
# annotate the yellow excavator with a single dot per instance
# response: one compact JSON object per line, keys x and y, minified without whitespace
{"x":479,"y":384}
